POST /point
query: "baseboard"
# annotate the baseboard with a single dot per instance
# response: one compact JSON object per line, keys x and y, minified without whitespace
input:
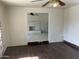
{"x":72,"y":45}
{"x":56,"y":41}
{"x":16,"y":46}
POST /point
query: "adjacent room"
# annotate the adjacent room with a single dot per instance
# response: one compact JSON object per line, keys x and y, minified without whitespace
{"x":39,"y":29}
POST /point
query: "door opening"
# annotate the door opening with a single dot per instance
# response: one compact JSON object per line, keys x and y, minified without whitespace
{"x":38,"y":28}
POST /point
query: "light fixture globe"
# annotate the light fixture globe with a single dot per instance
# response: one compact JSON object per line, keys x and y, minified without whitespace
{"x":54,"y":3}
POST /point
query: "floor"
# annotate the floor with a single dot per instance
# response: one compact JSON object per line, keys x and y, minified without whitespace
{"x":47,"y":51}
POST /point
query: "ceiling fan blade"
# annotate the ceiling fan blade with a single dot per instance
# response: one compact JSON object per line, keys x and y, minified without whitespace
{"x":62,"y":3}
{"x":37,"y":0}
{"x":45,"y":4}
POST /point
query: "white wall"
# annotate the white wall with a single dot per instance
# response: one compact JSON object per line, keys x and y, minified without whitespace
{"x":71,"y":29}
{"x":56,"y":23}
{"x":17,"y":20}
{"x":3,"y":28}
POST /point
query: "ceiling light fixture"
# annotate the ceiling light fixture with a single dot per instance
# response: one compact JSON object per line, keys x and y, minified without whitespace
{"x":54,"y":3}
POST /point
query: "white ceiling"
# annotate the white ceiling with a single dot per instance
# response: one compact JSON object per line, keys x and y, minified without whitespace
{"x":28,"y":3}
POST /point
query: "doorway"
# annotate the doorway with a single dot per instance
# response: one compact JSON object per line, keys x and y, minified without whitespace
{"x":37,"y":27}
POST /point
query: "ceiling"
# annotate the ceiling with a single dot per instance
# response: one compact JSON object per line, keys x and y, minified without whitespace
{"x":29,"y":3}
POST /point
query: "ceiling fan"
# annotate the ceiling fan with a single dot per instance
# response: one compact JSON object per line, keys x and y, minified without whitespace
{"x":54,"y":3}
